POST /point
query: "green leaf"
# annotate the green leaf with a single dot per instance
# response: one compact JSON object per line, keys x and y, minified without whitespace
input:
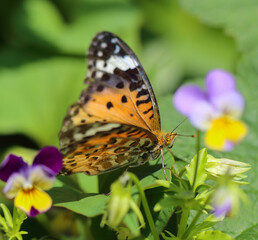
{"x":3,"y":224}
{"x":250,"y":233}
{"x":200,"y":174}
{"x":207,"y":223}
{"x":213,"y":235}
{"x":171,"y":236}
{"x":90,"y":206}
{"x":35,"y":97}
{"x":88,"y":184}
{"x":131,"y":221}
{"x":237,"y":17}
{"x":189,"y":44}
{"x":7,"y":215}
{"x":44,"y":26}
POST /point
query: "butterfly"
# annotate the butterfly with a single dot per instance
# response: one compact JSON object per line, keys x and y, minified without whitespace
{"x":116,"y":121}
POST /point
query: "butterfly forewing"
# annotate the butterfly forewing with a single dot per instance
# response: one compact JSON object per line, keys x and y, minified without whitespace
{"x":116,"y":75}
{"x":116,"y":120}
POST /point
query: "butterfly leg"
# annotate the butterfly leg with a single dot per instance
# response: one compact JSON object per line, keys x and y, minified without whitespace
{"x":163,"y":165}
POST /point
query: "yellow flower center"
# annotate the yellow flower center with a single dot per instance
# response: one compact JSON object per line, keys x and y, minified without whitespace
{"x":224,"y":131}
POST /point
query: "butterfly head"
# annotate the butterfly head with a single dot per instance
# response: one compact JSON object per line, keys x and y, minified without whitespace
{"x":169,"y":139}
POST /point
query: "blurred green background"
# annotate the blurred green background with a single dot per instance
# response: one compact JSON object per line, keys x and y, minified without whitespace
{"x":42,"y":65}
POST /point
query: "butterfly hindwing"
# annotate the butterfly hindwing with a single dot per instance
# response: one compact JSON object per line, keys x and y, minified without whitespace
{"x":102,"y":147}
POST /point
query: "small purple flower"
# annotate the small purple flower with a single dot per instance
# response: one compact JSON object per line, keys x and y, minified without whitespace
{"x":222,"y":202}
{"x":24,"y":183}
{"x":215,"y":110}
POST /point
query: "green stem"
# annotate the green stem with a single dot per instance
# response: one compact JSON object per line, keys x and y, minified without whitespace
{"x":197,"y":157}
{"x":183,"y":222}
{"x":194,"y":221}
{"x":182,"y":172}
{"x":145,"y":206}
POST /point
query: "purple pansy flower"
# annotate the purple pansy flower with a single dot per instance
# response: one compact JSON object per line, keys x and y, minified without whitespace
{"x":25,"y":182}
{"x":226,"y":198}
{"x":215,"y":110}
{"x":222,"y":202}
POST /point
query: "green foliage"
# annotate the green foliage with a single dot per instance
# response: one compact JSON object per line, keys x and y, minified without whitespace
{"x":212,"y":235}
{"x":200,"y":166}
{"x":11,"y":224}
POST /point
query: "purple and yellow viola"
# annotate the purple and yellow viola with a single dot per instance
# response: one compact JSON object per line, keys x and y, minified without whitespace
{"x":25,"y":183}
{"x":216,"y":110}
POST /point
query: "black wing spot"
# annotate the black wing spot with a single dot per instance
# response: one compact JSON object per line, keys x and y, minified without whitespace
{"x":93,"y":75}
{"x":83,"y":121}
{"x":100,"y":88}
{"x":124,"y":99}
{"x":86,"y":99}
{"x":105,"y":77}
{"x":112,"y":140}
{"x":120,"y":85}
{"x":109,"y":105}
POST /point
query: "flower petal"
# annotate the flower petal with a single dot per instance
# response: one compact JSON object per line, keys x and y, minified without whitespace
{"x":41,"y":176}
{"x":202,"y":115}
{"x":33,"y":212}
{"x":186,"y":97}
{"x":33,"y":201}
{"x":50,"y":157}
{"x":14,"y":184}
{"x":225,"y":133}
{"x":11,"y":165}
{"x":222,"y":209}
{"x":237,"y":130}
{"x":219,"y":81}
{"x":230,"y":103}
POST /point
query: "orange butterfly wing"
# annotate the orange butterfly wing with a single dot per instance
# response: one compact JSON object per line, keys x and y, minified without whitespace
{"x":119,"y":96}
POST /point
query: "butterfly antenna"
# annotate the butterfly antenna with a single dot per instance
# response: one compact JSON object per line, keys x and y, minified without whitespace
{"x":186,"y":135}
{"x":179,"y":124}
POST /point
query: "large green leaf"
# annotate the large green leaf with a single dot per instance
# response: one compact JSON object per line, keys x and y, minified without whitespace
{"x":35,"y":97}
{"x":250,"y":233}
{"x":237,"y":17}
{"x":40,"y":23}
{"x":90,"y":206}
{"x":191,"y":46}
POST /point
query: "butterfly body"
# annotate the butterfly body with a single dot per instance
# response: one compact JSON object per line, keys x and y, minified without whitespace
{"x":116,"y":121}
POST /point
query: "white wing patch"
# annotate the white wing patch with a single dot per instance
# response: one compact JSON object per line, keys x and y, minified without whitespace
{"x":123,"y":63}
